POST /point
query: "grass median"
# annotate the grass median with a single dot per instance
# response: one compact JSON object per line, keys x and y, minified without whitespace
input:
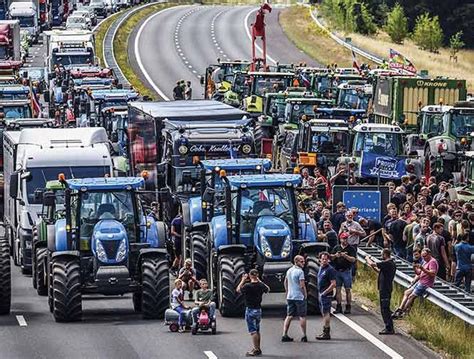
{"x":100,"y":35}
{"x":121,"y":46}
{"x":440,"y":330}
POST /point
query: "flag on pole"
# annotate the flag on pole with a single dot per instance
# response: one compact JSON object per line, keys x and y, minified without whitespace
{"x":399,"y":62}
{"x":35,"y":105}
{"x":354,"y":61}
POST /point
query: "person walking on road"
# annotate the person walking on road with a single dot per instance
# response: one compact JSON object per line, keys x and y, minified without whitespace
{"x":296,"y":295}
{"x":386,"y":270}
{"x":253,"y":288}
{"x":326,"y":285}
{"x":188,"y":91}
{"x":343,"y":258}
{"x":178,"y":91}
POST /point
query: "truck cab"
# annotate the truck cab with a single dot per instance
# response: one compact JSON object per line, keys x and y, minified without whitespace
{"x":27,"y":13}
{"x":10,"y":40}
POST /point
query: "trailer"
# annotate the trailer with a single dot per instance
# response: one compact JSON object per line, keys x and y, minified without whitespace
{"x":399,"y":99}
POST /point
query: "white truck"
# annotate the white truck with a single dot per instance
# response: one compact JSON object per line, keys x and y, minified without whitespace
{"x":34,"y":156}
{"x":27,"y":12}
{"x":10,"y":40}
{"x":69,"y":48}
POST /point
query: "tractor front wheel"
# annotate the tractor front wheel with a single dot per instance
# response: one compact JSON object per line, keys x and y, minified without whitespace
{"x":67,"y":297}
{"x":312,"y":268}
{"x":155,"y":287}
{"x":230,"y":269}
{"x":5,"y":276}
{"x":39,"y":271}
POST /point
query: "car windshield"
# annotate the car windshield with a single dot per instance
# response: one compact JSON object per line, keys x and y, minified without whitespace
{"x":39,"y":176}
{"x":106,"y":205}
{"x":25,"y":21}
{"x":16,"y":111}
{"x":462,"y":124}
{"x":354,"y":99}
{"x":73,"y":59}
{"x":76,"y":20}
{"x":386,"y":144}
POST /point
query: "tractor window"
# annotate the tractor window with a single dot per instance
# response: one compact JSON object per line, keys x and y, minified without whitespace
{"x":298,"y":110}
{"x":19,"y":111}
{"x":386,"y":144}
{"x":329,"y":142}
{"x":266,"y":85}
{"x":462,"y":124}
{"x":99,"y":206}
{"x":353,"y":99}
{"x":433,"y":123}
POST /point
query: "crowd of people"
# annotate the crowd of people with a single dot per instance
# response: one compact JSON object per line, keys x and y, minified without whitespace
{"x":422,"y":225}
{"x":182,"y":90}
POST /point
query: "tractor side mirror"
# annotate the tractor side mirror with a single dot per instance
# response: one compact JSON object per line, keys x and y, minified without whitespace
{"x":48,"y":198}
{"x":39,"y":195}
{"x":208,"y":195}
{"x":14,"y":185}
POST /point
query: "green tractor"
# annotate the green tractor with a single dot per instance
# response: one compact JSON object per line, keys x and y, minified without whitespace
{"x":465,"y":191}
{"x":50,"y":213}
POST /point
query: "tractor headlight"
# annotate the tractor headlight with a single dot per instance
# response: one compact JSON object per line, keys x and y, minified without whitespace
{"x":101,"y":255}
{"x":286,"y":249}
{"x":246,"y":149}
{"x":122,"y":251}
{"x":183,"y":149}
{"x":267,"y":252}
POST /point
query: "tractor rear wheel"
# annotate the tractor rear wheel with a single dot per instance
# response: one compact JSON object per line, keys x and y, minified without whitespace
{"x":67,"y":297}
{"x":230,"y":269}
{"x":5,"y":276}
{"x":199,"y":254}
{"x":155,"y":287}
{"x":39,"y":271}
{"x":312,"y":268}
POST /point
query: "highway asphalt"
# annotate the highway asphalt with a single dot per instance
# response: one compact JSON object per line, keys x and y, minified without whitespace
{"x":111,"y":329}
{"x":179,"y":43}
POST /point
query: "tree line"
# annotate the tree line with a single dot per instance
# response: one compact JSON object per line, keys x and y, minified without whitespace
{"x":431,"y":24}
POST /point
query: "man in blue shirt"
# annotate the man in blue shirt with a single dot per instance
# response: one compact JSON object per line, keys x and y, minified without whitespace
{"x":464,"y":252}
{"x":326,"y":285}
{"x":296,"y":295}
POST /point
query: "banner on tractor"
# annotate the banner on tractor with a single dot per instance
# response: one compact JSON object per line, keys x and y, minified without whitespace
{"x":368,"y":202}
{"x":388,"y":167}
{"x":399,"y":62}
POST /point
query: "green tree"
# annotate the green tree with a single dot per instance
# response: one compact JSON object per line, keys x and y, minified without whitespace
{"x":397,"y":24}
{"x":428,"y":34}
{"x":455,"y":44}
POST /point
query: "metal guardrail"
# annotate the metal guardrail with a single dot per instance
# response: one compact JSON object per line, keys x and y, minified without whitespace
{"x":108,"y":43}
{"x":443,"y":294}
{"x":348,"y":45}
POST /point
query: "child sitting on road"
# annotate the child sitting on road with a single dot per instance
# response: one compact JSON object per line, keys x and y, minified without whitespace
{"x":177,"y":303}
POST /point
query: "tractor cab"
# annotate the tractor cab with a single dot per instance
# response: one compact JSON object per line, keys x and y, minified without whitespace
{"x":262,"y":229}
{"x":299,"y":108}
{"x":219,"y":78}
{"x":261,"y":83}
{"x":321,"y":142}
{"x":354,"y":95}
{"x":109,"y":245}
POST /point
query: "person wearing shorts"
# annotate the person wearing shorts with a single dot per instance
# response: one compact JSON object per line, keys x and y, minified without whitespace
{"x":295,"y":288}
{"x":342,"y":259}
{"x":326,"y":285}
{"x":253,"y":288}
{"x":424,"y":279}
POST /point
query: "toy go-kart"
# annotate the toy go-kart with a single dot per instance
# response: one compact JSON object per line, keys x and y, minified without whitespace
{"x":204,"y":323}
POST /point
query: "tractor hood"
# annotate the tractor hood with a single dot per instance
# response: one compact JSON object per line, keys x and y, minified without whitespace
{"x":272,"y":238}
{"x":109,"y":241}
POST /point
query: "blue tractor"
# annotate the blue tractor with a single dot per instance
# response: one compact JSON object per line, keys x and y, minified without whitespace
{"x":199,"y":210}
{"x":106,"y":244}
{"x":263,"y":229}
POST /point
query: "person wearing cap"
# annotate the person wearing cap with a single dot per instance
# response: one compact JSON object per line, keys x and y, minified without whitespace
{"x":343,"y":258}
{"x":425,"y":275}
{"x":253,"y":289}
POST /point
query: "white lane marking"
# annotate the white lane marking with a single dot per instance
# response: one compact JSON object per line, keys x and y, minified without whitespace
{"x":139,"y":58}
{"x":21,"y":321}
{"x":247,"y":29}
{"x":210,"y":354}
{"x":379,"y":344}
